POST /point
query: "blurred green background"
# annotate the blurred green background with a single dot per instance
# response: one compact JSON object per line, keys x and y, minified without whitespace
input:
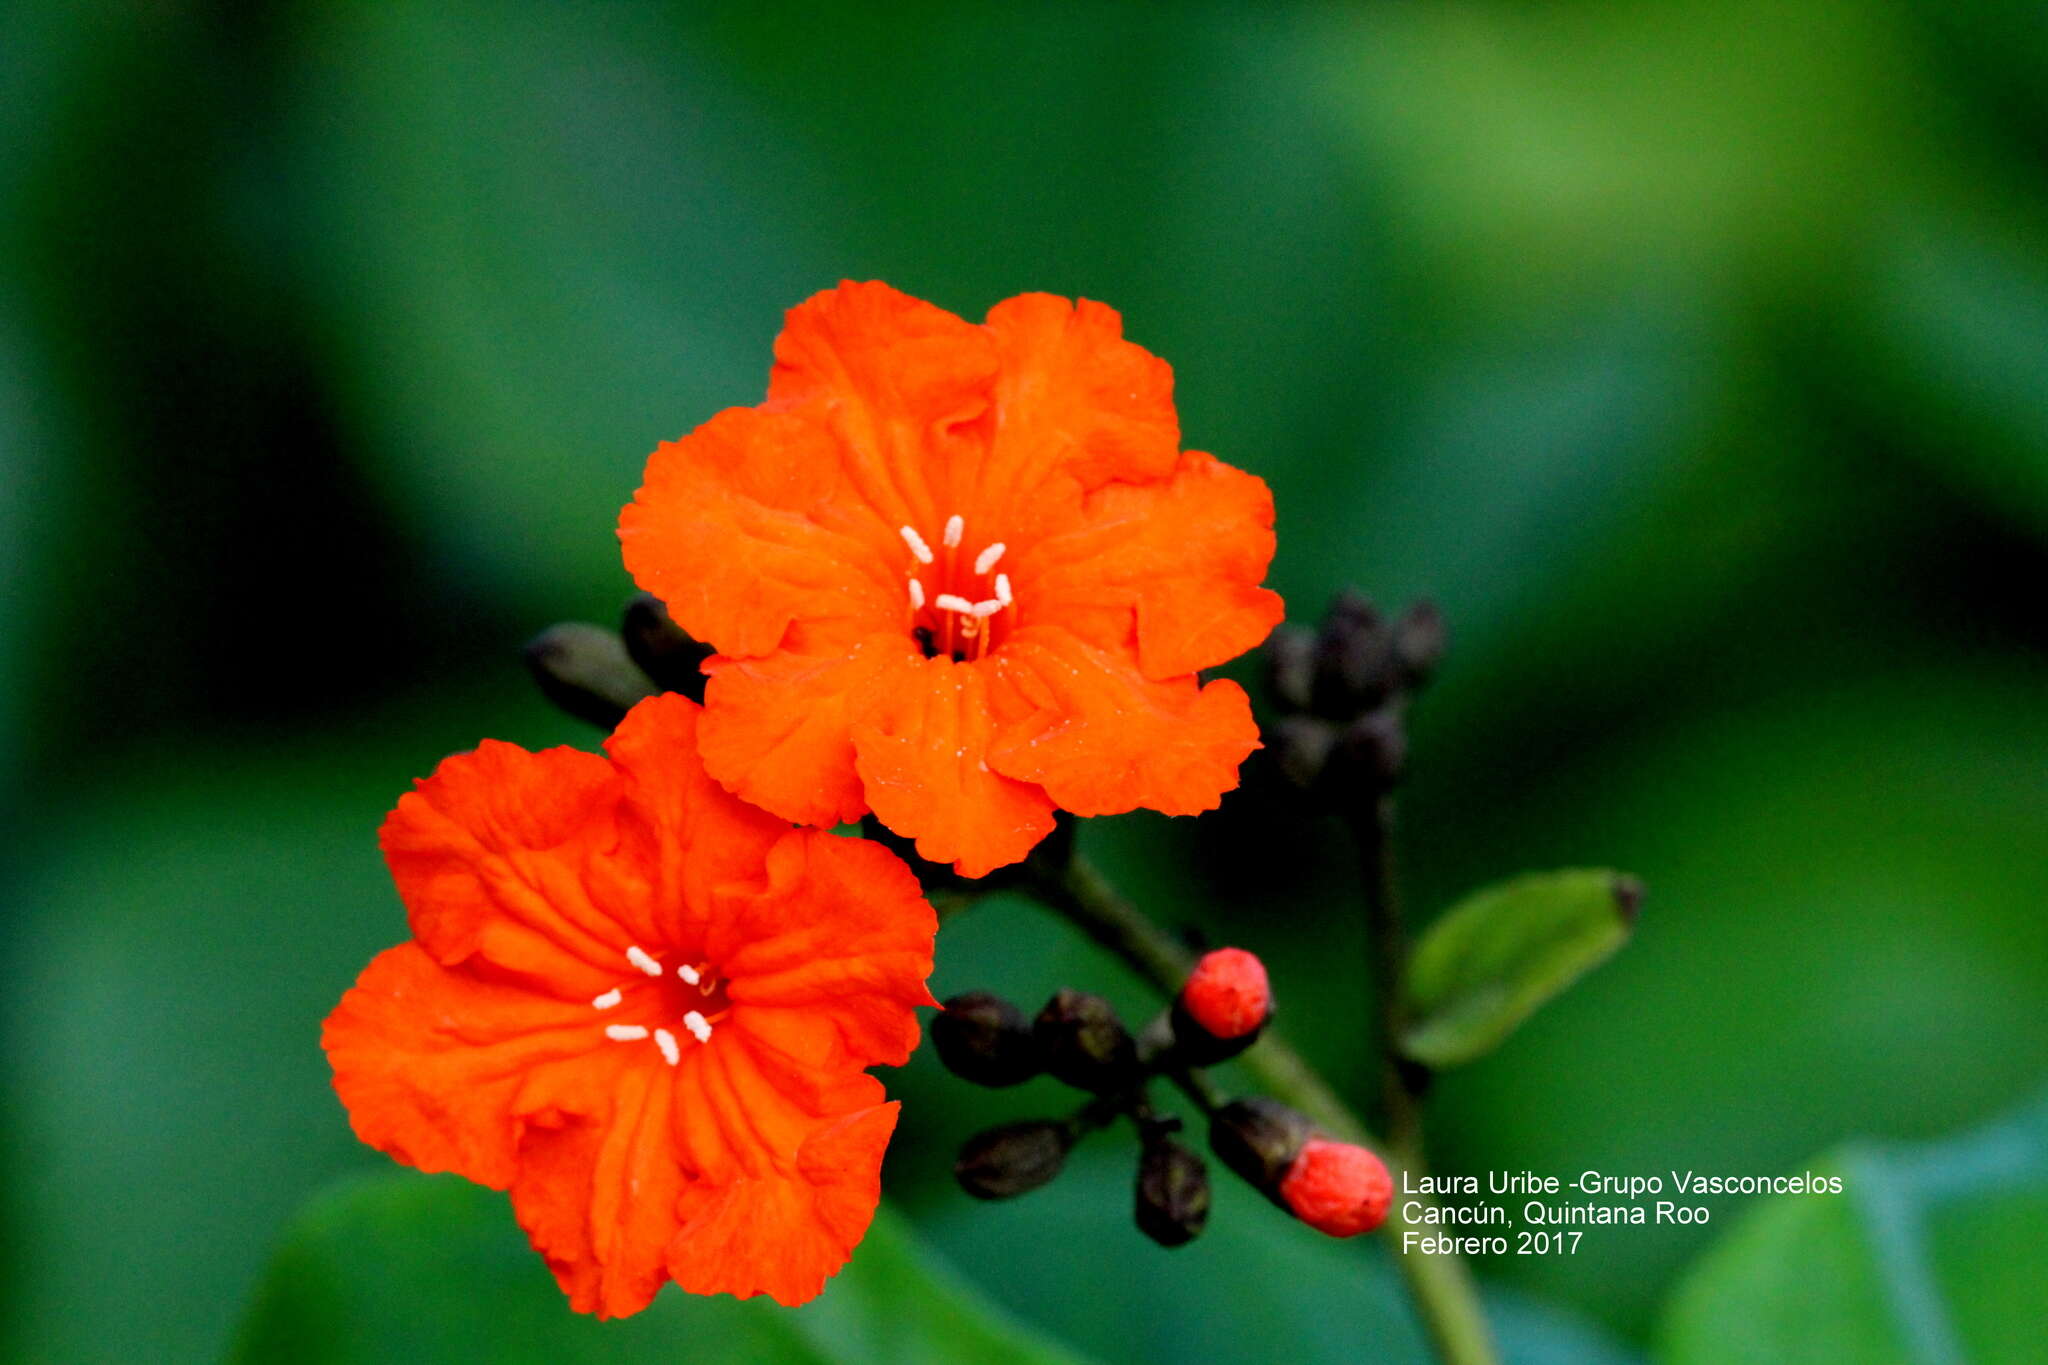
{"x":1693,"y":357}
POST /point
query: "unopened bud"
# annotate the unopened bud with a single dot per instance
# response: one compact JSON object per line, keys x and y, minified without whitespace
{"x":1291,"y":666}
{"x":1337,"y":1188}
{"x":662,"y":649}
{"x":1419,"y":643}
{"x":1220,"y":1011}
{"x":1173,"y":1192}
{"x":584,"y":669}
{"x":1014,"y":1159}
{"x":1354,"y":658}
{"x":1356,"y":661}
{"x":1301,"y":747}
{"x":1083,"y":1042}
{"x":1258,"y":1138}
{"x":985,"y":1039}
{"x":1372,"y":753}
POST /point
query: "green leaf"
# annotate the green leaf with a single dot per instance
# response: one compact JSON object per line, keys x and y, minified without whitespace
{"x":432,"y":1268}
{"x":1931,"y":1254}
{"x":1500,"y":953}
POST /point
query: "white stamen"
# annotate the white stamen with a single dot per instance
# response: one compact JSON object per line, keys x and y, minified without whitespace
{"x":988,"y":608}
{"x":624,"y":1033}
{"x":946,"y":601}
{"x":916,"y":543}
{"x":1003,"y":589}
{"x":639,"y":958}
{"x":608,"y":999}
{"x":956,"y":527}
{"x":986,"y":560}
{"x":698,"y":1025}
{"x":666,"y":1041}
{"x":689,"y":974}
{"x":916,"y":595}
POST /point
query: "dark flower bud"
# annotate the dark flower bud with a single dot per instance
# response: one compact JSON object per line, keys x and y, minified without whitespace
{"x":1372,"y":753}
{"x":1419,"y":643}
{"x":1083,"y":1042}
{"x":985,"y":1039}
{"x":1350,"y":612}
{"x":1222,"y":1008}
{"x":584,"y":669}
{"x":1258,"y":1138}
{"x":1173,"y":1192}
{"x":661,"y":647}
{"x":1354,"y":658}
{"x":1357,"y":661}
{"x":1301,"y":747}
{"x":1001,"y":1163}
{"x":1291,"y":666}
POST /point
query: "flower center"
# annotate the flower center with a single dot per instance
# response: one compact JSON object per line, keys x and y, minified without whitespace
{"x":691,"y":996}
{"x":957,"y":611}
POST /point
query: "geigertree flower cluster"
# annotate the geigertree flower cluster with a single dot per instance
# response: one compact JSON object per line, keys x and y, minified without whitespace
{"x":957,"y":577}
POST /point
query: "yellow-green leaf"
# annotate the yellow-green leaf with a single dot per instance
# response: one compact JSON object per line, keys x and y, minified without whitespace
{"x":1502,"y":952}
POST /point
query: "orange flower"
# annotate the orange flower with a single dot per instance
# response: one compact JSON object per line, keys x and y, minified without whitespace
{"x":642,"y":1007}
{"x":960,"y":576}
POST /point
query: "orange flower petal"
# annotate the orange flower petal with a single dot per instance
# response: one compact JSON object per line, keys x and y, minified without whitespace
{"x":444,"y":1070}
{"x":495,"y":854}
{"x":776,"y":731}
{"x":1103,"y":738}
{"x":1072,"y":397}
{"x":599,"y":1200}
{"x":922,"y":753}
{"x":1185,"y":555}
{"x":785,"y":1234}
{"x":682,"y":835}
{"x":749,"y":523}
{"x":840,"y":941}
{"x":607,"y":1202}
{"x":897,"y":382}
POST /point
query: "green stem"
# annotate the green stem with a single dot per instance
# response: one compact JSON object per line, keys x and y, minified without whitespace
{"x":1445,"y":1297}
{"x":1387,"y":959}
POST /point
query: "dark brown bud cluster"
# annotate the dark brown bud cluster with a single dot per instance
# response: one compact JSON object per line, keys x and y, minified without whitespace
{"x":596,"y":674}
{"x":1335,"y":1187}
{"x":1078,"y":1040}
{"x":1343,"y":691}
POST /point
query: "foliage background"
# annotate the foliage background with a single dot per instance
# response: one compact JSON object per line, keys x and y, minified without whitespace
{"x":1695,"y":358}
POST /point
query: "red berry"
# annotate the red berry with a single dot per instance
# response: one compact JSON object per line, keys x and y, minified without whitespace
{"x":1337,"y":1188}
{"x":1228,"y":994}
